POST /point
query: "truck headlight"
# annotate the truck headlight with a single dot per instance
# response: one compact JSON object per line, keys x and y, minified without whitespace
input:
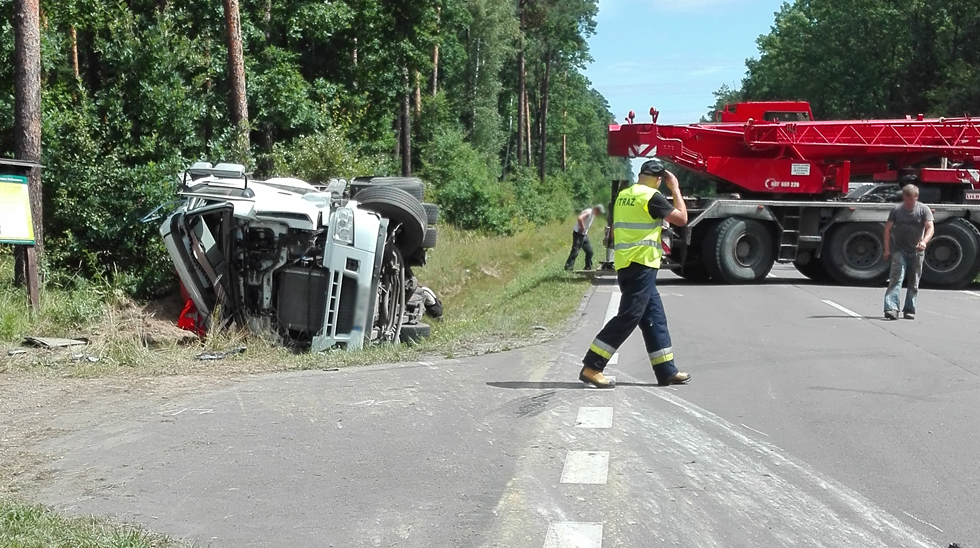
{"x":344,"y":226}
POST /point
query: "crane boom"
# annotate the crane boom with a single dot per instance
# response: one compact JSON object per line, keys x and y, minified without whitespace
{"x":776,"y":148}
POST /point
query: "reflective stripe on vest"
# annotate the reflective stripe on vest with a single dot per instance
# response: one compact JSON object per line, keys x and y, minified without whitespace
{"x":636,"y":233}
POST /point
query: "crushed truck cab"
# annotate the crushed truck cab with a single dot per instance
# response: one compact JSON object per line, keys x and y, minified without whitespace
{"x":307,"y":264}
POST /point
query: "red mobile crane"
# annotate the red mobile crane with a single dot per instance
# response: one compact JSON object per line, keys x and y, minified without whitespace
{"x":783,"y":181}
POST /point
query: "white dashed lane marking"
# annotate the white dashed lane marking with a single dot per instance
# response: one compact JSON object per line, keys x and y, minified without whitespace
{"x":594,"y":417}
{"x":611,"y":311}
{"x":586,"y":467}
{"x":574,"y":534}
{"x":847,"y":311}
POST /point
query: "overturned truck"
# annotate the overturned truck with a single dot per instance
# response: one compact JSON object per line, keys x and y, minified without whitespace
{"x":318,"y":266}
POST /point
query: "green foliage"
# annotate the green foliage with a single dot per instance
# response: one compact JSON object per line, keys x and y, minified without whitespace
{"x":871,"y":58}
{"x":325,"y":81}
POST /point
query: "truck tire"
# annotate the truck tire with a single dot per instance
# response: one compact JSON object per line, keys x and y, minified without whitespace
{"x":411,"y":185}
{"x":400,"y":207}
{"x":813,"y":269}
{"x":854,"y":254}
{"x":415,"y":333}
{"x":738,"y":251}
{"x":952,"y":258}
{"x":431,"y":214}
{"x":695,"y":272}
{"x":431,"y":237}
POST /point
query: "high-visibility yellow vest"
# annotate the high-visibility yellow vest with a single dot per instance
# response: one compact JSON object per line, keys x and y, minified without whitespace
{"x":636,"y":232}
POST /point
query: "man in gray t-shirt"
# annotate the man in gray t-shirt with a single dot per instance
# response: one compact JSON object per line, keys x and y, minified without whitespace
{"x":909,"y":228}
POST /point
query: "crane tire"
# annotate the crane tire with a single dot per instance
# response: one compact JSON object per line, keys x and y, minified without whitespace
{"x":738,"y":251}
{"x":952,"y":259}
{"x":854,"y":254}
{"x":813,"y":269}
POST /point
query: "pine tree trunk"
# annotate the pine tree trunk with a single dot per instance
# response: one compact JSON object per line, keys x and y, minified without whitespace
{"x":434,"y":89}
{"x":406,"y":129}
{"x":74,"y":51}
{"x":236,"y":72}
{"x":527,"y":129}
{"x":521,"y":93}
{"x":418,"y":94}
{"x":27,"y":125}
{"x":543,"y":143}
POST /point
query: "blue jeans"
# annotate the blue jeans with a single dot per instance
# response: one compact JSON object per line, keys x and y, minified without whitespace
{"x":904,"y":265}
{"x":640,"y":306}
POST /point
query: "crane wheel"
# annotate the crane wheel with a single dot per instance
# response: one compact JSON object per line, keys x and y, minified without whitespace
{"x":952,"y":259}
{"x":813,"y":268}
{"x":854,"y":254}
{"x":738,"y":251}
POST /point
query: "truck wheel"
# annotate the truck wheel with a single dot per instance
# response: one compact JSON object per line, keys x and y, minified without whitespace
{"x":855,"y":254}
{"x":738,"y":251}
{"x":402,"y":209}
{"x":431,"y":214}
{"x":411,"y":185}
{"x":694,"y":272}
{"x":813,"y":268}
{"x":414,"y":333}
{"x":953,"y":257}
{"x":431,"y":237}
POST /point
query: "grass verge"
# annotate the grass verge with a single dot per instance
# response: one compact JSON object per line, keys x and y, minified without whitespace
{"x":498,"y":293}
{"x":34,"y":526}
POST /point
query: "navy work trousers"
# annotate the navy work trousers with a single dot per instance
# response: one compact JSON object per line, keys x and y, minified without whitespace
{"x":640,"y":306}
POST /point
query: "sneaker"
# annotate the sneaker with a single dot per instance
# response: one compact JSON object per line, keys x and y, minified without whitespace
{"x":679,"y":378}
{"x":909,"y":315}
{"x":891,"y":315}
{"x":594,"y":378}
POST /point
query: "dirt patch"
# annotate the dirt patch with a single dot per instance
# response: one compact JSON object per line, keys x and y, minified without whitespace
{"x":36,"y":409}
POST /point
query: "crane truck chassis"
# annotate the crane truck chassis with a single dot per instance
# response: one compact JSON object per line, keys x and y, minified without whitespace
{"x":785,"y":180}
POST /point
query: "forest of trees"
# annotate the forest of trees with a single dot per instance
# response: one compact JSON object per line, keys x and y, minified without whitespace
{"x":869,"y":58}
{"x":484,"y":99}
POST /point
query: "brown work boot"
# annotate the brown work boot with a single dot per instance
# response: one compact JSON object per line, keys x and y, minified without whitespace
{"x":595,"y":378}
{"x":679,"y":378}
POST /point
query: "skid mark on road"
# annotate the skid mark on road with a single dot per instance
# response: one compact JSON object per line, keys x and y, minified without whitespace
{"x":744,"y":477}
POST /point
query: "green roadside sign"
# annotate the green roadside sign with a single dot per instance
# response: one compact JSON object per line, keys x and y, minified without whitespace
{"x":16,"y":221}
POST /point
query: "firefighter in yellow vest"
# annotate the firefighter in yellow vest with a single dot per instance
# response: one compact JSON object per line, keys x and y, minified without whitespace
{"x":637,"y":221}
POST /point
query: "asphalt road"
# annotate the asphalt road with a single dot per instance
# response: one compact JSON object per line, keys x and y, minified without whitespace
{"x":809,"y":422}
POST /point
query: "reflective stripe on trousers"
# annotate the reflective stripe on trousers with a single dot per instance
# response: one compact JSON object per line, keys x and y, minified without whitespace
{"x":602,"y":349}
{"x":662,"y":356}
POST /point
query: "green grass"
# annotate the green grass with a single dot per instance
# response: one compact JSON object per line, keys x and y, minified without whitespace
{"x":498,"y":293}
{"x":34,"y":526}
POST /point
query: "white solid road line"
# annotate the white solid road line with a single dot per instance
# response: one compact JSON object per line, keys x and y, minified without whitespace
{"x":594,"y":417}
{"x":587,"y":467}
{"x":573,"y":534}
{"x":847,"y":311}
{"x":973,"y":293}
{"x":922,"y":521}
{"x":611,"y":311}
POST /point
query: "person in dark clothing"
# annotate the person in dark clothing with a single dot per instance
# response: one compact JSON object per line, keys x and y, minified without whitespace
{"x":638,"y":219}
{"x":580,"y":236}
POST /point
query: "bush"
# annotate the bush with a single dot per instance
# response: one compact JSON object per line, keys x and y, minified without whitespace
{"x":317,"y":158}
{"x":466,"y":189}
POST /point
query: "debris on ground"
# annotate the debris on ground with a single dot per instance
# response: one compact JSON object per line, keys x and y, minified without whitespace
{"x":53,"y":342}
{"x":220,"y":355}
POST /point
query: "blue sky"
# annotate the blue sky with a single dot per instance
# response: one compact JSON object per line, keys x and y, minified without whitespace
{"x":672,"y":54}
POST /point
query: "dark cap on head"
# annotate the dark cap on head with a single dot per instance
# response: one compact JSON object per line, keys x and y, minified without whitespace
{"x":653,"y":168}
